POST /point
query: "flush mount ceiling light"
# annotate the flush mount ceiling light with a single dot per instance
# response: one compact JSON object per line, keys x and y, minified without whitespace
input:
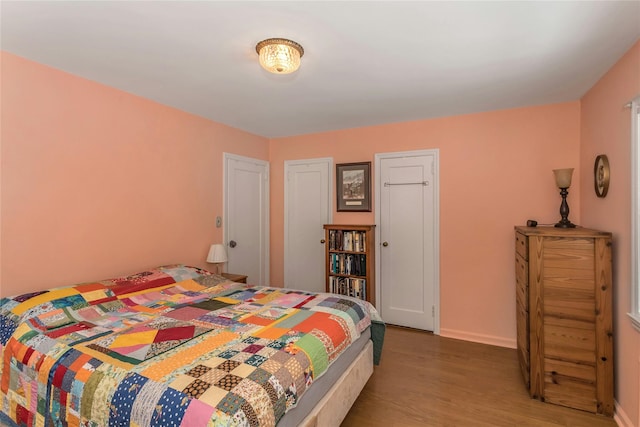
{"x":279,"y":56}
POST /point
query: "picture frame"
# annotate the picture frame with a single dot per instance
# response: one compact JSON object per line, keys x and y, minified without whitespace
{"x":353,"y":187}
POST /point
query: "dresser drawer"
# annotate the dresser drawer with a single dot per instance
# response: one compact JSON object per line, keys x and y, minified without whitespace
{"x":522,"y":325}
{"x":522,"y":246}
{"x":522,"y":282}
{"x":570,"y":384}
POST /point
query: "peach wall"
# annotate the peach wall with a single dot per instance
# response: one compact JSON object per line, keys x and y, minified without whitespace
{"x":606,"y":129}
{"x":495,"y":172}
{"x":98,"y":182}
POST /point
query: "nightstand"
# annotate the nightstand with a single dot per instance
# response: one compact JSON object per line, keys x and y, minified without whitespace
{"x":240,"y":278}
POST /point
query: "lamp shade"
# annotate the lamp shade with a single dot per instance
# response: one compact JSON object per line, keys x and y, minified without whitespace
{"x":217,"y":254}
{"x":563,"y":177}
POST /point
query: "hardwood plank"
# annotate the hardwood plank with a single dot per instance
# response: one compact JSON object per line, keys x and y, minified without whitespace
{"x":564,"y":341}
{"x":571,"y":393}
{"x":571,"y":310}
{"x":427,"y":380}
{"x":536,"y":315}
{"x":604,"y":326}
{"x":522,"y":282}
{"x":585,"y":372}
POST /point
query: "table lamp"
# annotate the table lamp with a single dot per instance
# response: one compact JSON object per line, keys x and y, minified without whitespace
{"x":217,"y":255}
{"x":563,"y":181}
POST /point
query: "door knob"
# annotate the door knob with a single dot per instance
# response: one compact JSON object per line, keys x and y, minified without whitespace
{"x":322,"y":241}
{"x":232,"y":244}
{"x":385,"y":244}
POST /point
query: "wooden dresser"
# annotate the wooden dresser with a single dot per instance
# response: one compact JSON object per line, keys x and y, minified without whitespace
{"x":564,"y":316}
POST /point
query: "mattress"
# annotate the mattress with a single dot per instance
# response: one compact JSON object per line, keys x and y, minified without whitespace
{"x":173,"y":346}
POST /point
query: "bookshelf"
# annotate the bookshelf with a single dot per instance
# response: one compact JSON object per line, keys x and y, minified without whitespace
{"x":349,"y":260}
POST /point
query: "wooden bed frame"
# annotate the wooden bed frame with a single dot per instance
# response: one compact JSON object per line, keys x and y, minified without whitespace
{"x":335,"y":405}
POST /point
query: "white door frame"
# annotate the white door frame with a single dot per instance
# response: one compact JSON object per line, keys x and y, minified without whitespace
{"x":265,"y":221}
{"x":287,"y":164}
{"x":436,"y":198}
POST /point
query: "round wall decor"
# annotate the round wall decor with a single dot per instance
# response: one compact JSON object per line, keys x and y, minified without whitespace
{"x":601,"y":175}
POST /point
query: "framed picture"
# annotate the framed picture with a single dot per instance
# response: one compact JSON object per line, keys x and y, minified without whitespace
{"x":353,"y":187}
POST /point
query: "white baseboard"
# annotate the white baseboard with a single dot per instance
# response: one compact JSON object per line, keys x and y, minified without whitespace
{"x":481,"y":338}
{"x":621,"y":418}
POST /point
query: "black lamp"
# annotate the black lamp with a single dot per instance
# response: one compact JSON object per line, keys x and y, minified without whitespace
{"x":563,"y":180}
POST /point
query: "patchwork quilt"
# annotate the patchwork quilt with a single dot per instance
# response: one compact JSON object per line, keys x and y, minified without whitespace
{"x":174,"y":346}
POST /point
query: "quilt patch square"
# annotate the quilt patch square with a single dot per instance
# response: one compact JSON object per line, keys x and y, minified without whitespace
{"x":228,"y":365}
{"x":198,"y":371}
{"x":260,"y":376}
{"x":295,"y":319}
{"x":255,"y":360}
{"x":253,"y":348}
{"x":271,"y":366}
{"x":243,"y":370}
{"x":256,"y":320}
{"x":228,"y":354}
{"x":231,"y":403}
{"x":144,"y":341}
{"x":241,"y":357}
{"x":217,"y":321}
{"x":228,"y":382}
{"x":213,"y":396}
{"x":250,"y":340}
{"x":175,"y":333}
{"x":211,"y":305}
{"x":210,"y":280}
{"x":52,"y":320}
{"x":289,"y":299}
{"x":266,"y":352}
{"x":196,"y":388}
{"x":229,"y":314}
{"x":197,"y":413}
{"x":213,"y":376}
{"x":271,"y":333}
{"x":97,"y":295}
{"x":186,"y":313}
{"x":28,"y":296}
{"x":70,"y":301}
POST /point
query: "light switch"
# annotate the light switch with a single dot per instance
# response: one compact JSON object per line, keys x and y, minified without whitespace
{"x":218,"y":221}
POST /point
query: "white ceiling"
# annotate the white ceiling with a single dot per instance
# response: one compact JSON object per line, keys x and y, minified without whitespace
{"x":365,"y":63}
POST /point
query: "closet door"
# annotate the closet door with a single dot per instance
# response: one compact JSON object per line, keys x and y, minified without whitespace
{"x":307,"y":208}
{"x":247,"y":217}
{"x":407,"y":214}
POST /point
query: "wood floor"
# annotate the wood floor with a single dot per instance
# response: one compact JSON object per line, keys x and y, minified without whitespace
{"x":426,"y":380}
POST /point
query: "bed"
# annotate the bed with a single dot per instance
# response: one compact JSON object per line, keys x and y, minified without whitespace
{"x":180,"y":346}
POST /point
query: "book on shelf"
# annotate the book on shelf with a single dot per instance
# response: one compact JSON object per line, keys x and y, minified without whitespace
{"x":348,"y":286}
{"x":348,"y":241}
{"x":348,"y":264}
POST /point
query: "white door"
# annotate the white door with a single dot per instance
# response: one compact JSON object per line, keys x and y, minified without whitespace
{"x":407,"y":214}
{"x":307,"y":208}
{"x":246,"y":231}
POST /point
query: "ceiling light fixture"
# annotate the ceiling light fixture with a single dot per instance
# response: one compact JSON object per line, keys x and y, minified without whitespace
{"x":279,"y":56}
